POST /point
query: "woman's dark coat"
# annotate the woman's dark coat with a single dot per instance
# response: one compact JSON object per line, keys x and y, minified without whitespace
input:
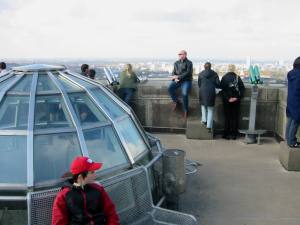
{"x":208,"y":81}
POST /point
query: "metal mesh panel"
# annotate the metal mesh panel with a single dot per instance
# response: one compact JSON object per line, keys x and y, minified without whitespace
{"x":131,"y":194}
{"x":156,"y":179}
{"x":40,"y":206}
{"x":172,"y":217}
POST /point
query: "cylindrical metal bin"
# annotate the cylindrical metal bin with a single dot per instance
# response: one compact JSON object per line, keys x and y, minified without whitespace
{"x":174,"y":180}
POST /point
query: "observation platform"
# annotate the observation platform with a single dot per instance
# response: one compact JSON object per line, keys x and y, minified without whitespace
{"x":236,"y":183}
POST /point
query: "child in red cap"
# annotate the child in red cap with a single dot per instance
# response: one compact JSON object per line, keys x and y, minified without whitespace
{"x":81,"y":201}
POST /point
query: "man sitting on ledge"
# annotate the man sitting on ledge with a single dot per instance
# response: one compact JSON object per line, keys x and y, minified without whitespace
{"x":182,"y":76}
{"x":81,"y":201}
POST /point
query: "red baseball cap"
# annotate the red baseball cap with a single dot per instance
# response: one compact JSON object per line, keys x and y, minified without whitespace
{"x":81,"y":164}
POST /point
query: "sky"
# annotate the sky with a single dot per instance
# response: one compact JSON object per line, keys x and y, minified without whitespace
{"x":223,"y":29}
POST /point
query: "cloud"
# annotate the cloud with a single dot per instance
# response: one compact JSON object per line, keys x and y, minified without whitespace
{"x":9,"y":5}
{"x":167,"y":16}
{"x":134,"y":28}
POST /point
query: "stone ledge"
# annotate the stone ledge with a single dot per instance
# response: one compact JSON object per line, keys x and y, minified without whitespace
{"x":289,"y":157}
{"x":196,"y":130}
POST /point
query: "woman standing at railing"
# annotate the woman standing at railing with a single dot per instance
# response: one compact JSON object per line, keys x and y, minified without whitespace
{"x":232,"y":91}
{"x":128,"y":81}
{"x":208,"y":82}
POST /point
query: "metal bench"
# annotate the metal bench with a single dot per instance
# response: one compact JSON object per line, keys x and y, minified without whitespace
{"x":131,"y":193}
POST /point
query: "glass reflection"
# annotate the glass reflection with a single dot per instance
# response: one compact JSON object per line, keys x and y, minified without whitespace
{"x":50,"y":112}
{"x":23,"y":85}
{"x":132,"y":137}
{"x":13,"y":163}
{"x":44,"y":83}
{"x":107,"y":104}
{"x":14,"y":112}
{"x":53,"y":154}
{"x":103,"y":146}
{"x":86,"y":110}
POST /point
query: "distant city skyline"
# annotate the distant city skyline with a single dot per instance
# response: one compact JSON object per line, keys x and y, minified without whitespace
{"x":135,"y":29}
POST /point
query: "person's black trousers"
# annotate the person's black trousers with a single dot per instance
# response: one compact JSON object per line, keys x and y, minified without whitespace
{"x":231,"y":120}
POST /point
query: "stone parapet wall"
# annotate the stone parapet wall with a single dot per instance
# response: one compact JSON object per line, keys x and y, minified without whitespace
{"x":152,"y":105}
{"x":281,"y":113}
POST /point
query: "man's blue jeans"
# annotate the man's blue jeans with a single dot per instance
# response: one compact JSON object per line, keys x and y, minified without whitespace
{"x":185,"y":90}
{"x":291,"y":131}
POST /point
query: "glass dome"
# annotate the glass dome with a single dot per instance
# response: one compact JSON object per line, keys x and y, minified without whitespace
{"x":49,"y":115}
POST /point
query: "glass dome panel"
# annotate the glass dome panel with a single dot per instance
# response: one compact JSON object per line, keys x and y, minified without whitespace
{"x":23,"y":85}
{"x":44,"y":83}
{"x":82,"y":82}
{"x":132,"y":137}
{"x":68,"y":85}
{"x":53,"y":154}
{"x":14,"y":112}
{"x":103,"y":146}
{"x":13,"y":163}
{"x":3,"y":83}
{"x":85,"y":109}
{"x":51,"y":112}
{"x":107,"y":104}
{"x":105,"y":127}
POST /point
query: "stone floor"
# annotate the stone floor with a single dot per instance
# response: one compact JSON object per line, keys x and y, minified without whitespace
{"x":238,"y":184}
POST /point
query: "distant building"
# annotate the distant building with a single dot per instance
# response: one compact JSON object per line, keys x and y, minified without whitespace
{"x":248,"y":62}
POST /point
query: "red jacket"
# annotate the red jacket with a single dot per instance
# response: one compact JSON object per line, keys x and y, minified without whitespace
{"x":83,"y":206}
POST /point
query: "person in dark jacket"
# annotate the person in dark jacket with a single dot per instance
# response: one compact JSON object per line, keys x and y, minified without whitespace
{"x":232,"y":91}
{"x":81,"y":201}
{"x":182,"y":77}
{"x":84,"y":70}
{"x":92,"y":74}
{"x":293,"y":105}
{"x":2,"y":68}
{"x":208,"y":81}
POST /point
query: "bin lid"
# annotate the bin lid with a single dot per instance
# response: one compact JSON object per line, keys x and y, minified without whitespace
{"x":174,"y":153}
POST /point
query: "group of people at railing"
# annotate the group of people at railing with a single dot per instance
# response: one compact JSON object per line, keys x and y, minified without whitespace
{"x":126,"y":86}
{"x":231,"y":87}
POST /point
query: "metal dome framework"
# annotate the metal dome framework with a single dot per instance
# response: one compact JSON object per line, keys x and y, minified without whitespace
{"x":49,"y":114}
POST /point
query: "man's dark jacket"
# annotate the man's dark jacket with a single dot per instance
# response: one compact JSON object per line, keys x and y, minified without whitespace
{"x":183,"y":69}
{"x":208,"y":81}
{"x":293,"y":99}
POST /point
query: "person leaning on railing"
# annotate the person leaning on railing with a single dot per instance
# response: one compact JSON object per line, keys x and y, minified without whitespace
{"x":208,"y":82}
{"x":84,"y":70}
{"x":81,"y":201}
{"x":128,"y":84}
{"x":232,"y":91}
{"x":92,"y":74}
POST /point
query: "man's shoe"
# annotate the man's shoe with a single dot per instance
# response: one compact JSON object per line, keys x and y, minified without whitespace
{"x":296,"y":145}
{"x":203,"y":123}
